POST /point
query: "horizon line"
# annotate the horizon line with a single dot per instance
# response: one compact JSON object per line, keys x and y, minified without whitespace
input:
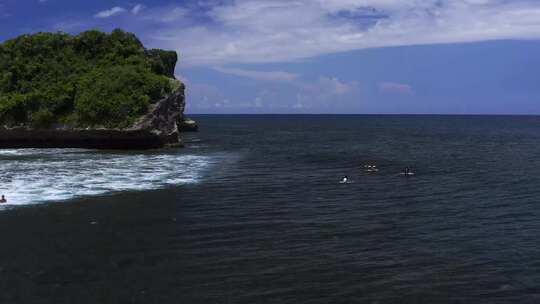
{"x":365,"y":114}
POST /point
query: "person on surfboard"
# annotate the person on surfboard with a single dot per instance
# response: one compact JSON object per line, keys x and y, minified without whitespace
{"x":407,"y":172}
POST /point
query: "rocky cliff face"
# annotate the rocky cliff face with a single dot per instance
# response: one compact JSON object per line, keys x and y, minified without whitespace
{"x":160,"y":127}
{"x":165,"y":117}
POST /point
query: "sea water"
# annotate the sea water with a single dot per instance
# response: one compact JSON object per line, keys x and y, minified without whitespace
{"x":253,"y":211}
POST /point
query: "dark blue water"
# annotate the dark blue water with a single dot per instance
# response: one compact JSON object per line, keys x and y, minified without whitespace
{"x":269,"y":221}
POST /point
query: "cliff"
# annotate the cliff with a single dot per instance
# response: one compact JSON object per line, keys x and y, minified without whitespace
{"x":159,"y":127}
{"x":93,"y":90}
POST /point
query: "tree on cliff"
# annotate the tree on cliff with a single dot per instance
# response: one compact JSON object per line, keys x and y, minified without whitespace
{"x":91,"y":79}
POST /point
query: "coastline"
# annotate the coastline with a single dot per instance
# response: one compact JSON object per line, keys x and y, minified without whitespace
{"x":88,"y":139}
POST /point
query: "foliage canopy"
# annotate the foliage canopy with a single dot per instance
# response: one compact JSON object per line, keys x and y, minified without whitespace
{"x":91,"y":79}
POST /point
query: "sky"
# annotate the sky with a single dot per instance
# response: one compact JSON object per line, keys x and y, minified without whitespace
{"x":325,"y":56}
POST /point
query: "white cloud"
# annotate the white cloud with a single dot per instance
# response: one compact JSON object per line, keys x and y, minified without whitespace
{"x":327,"y":92}
{"x":329,"y":86}
{"x":110,"y":12}
{"x":167,"y":15}
{"x":202,"y":96}
{"x":394,"y":87}
{"x":137,"y":9}
{"x":259,"y":75}
{"x":335,"y":86}
{"x":258,"y":31}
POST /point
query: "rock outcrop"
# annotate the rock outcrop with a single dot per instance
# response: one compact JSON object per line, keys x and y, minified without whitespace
{"x":160,"y":127}
{"x":90,"y":90}
{"x":188,"y":125}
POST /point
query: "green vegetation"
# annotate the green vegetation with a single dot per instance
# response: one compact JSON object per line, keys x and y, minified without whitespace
{"x":92,"y":79}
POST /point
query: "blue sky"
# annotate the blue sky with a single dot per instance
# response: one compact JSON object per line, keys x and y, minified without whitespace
{"x":325,"y":56}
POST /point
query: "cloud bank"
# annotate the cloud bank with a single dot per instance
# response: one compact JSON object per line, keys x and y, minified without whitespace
{"x":259,"y":75}
{"x":218,"y":33}
{"x":261,"y":31}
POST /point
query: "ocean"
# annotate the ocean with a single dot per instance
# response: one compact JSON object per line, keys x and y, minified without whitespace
{"x":253,"y":211}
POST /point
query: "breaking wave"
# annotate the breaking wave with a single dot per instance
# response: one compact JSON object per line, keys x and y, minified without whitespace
{"x":30,"y":176}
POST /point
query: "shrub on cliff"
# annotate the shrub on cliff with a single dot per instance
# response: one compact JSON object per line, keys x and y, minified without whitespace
{"x":91,"y":79}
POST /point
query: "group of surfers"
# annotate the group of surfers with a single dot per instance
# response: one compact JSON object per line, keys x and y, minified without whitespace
{"x":368,"y":169}
{"x":373,"y":169}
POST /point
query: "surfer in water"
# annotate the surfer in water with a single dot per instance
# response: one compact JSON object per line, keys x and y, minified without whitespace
{"x":407,"y":172}
{"x":344,"y":180}
{"x":371,"y":168}
{"x":3,"y":200}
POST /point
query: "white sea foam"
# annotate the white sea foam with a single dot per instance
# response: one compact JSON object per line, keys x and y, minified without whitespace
{"x":30,"y":176}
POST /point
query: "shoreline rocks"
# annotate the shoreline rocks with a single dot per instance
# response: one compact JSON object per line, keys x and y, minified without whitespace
{"x":188,"y":125}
